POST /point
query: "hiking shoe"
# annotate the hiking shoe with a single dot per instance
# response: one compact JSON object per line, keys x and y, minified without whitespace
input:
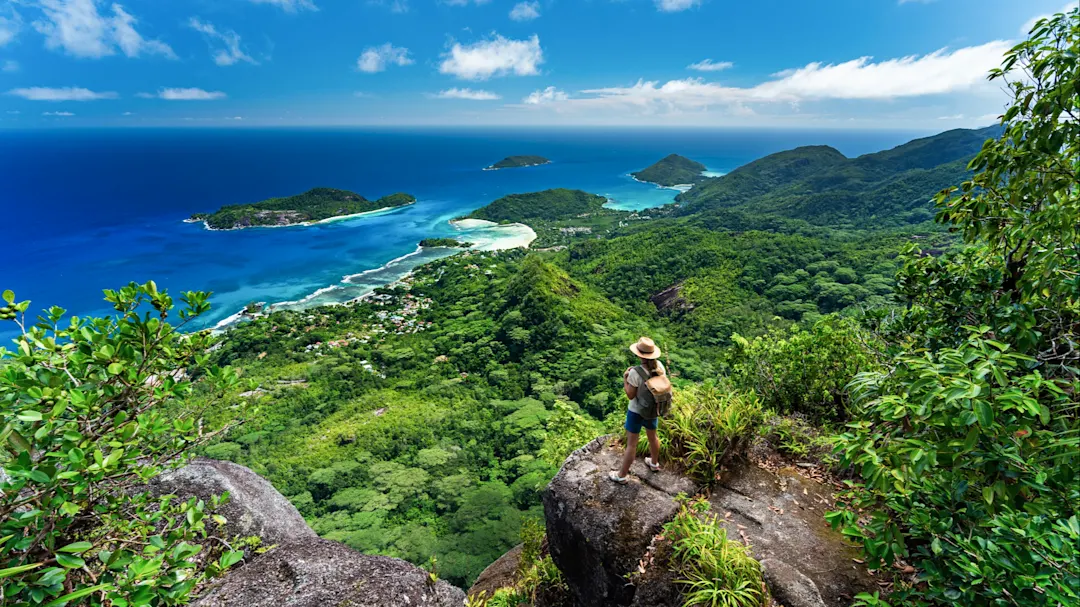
{"x":652,"y":465}
{"x":614,"y":475}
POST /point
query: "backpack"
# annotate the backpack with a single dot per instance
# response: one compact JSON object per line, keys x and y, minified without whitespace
{"x":657,"y":390}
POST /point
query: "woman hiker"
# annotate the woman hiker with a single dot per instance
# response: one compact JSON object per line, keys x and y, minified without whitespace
{"x":641,"y":412}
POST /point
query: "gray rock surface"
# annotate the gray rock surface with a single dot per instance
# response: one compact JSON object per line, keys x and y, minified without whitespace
{"x":322,"y":573}
{"x":782,"y":518}
{"x":597,"y":529}
{"x":254,"y":506}
{"x":500,"y":574}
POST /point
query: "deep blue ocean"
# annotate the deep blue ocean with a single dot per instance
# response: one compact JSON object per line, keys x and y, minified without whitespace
{"x":84,"y":210}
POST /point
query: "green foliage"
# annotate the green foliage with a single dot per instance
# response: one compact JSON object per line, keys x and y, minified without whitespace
{"x":445,"y":242}
{"x":90,"y":410}
{"x":716,"y":571}
{"x":819,"y":185}
{"x":969,"y":463}
{"x":804,"y":371}
{"x":672,"y":170}
{"x":706,"y":427}
{"x":313,"y":205}
{"x":536,"y":575}
{"x":548,"y":205}
{"x":969,"y":443}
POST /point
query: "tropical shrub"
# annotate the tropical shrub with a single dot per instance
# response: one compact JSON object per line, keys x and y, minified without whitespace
{"x":708,"y":424}
{"x":90,"y":410}
{"x":715,"y":571}
{"x":969,"y":444}
{"x":804,"y":371}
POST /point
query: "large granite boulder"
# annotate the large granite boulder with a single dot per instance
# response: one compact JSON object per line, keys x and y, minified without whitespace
{"x":254,"y":508}
{"x":320,"y":573}
{"x":597,"y":529}
{"x":781,"y":517}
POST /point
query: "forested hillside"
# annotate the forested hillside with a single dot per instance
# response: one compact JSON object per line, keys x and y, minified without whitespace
{"x":804,"y":302}
{"x":819,"y":185}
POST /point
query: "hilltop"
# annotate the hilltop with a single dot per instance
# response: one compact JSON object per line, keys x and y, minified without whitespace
{"x":517,"y":162}
{"x":671,"y":171}
{"x":316,"y":204}
{"x":820,"y":185}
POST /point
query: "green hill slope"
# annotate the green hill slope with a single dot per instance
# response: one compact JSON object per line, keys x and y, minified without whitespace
{"x":672,"y":170}
{"x":548,"y":205}
{"x":820,"y":185}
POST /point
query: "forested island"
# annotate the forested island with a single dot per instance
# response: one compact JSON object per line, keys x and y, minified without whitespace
{"x":517,"y":162}
{"x":445,"y":242}
{"x":671,"y":171}
{"x":895,"y":334}
{"x":316,"y":204}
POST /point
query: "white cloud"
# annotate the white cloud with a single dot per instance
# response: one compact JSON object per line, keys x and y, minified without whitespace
{"x":10,"y":66}
{"x":13,"y":112}
{"x":10,"y":24}
{"x":936,"y":73}
{"x":128,"y":114}
{"x":525,"y":11}
{"x":77,"y":27}
{"x":473,"y":95}
{"x":1026,"y":29}
{"x":61,"y":114}
{"x":183,"y":94}
{"x":377,"y":58}
{"x":232,"y":53}
{"x":496,"y":57}
{"x":709,"y":66}
{"x":68,"y":93}
{"x":674,"y":6}
{"x":548,"y":95}
{"x":465,"y":2}
{"x":952,"y":117}
{"x":290,"y":6}
{"x":234,"y":118}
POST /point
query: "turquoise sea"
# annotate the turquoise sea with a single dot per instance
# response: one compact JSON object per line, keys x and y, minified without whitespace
{"x":89,"y":209}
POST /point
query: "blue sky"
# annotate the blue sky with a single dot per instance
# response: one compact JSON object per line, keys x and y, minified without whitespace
{"x":780,"y":63}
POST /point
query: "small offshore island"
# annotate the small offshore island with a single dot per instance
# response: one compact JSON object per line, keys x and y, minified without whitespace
{"x":314,"y":205}
{"x":673,"y":171}
{"x":518,"y":162}
{"x":449,"y":243}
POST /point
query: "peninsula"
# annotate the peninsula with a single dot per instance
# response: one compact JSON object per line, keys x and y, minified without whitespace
{"x":316,"y":204}
{"x":558,"y":216}
{"x":517,"y":162}
{"x":674,"y":170}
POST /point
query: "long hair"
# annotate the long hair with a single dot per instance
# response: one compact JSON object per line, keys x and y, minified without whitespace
{"x":650,"y":364}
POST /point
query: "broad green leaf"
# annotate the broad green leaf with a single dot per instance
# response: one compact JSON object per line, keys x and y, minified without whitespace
{"x":76,"y":547}
{"x":78,"y":594}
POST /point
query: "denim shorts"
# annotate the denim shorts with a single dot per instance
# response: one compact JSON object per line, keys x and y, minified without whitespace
{"x":634,"y":422}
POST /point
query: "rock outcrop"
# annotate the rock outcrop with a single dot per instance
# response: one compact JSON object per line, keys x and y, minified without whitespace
{"x":598,"y":532}
{"x":301,"y":570}
{"x":782,"y":518}
{"x":500,"y":574}
{"x":319,"y":573}
{"x":597,"y":529}
{"x":254,"y":508}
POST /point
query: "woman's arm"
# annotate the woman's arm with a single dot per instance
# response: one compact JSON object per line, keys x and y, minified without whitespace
{"x":630,"y":390}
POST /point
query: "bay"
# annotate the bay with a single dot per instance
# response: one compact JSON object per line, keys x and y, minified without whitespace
{"x":88,"y":209}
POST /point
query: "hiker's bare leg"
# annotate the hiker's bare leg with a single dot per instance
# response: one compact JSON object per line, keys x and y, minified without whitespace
{"x":654,"y":445}
{"x":631,"y":452}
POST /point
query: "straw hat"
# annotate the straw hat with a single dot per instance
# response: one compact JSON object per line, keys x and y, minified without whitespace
{"x":645,"y":348}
